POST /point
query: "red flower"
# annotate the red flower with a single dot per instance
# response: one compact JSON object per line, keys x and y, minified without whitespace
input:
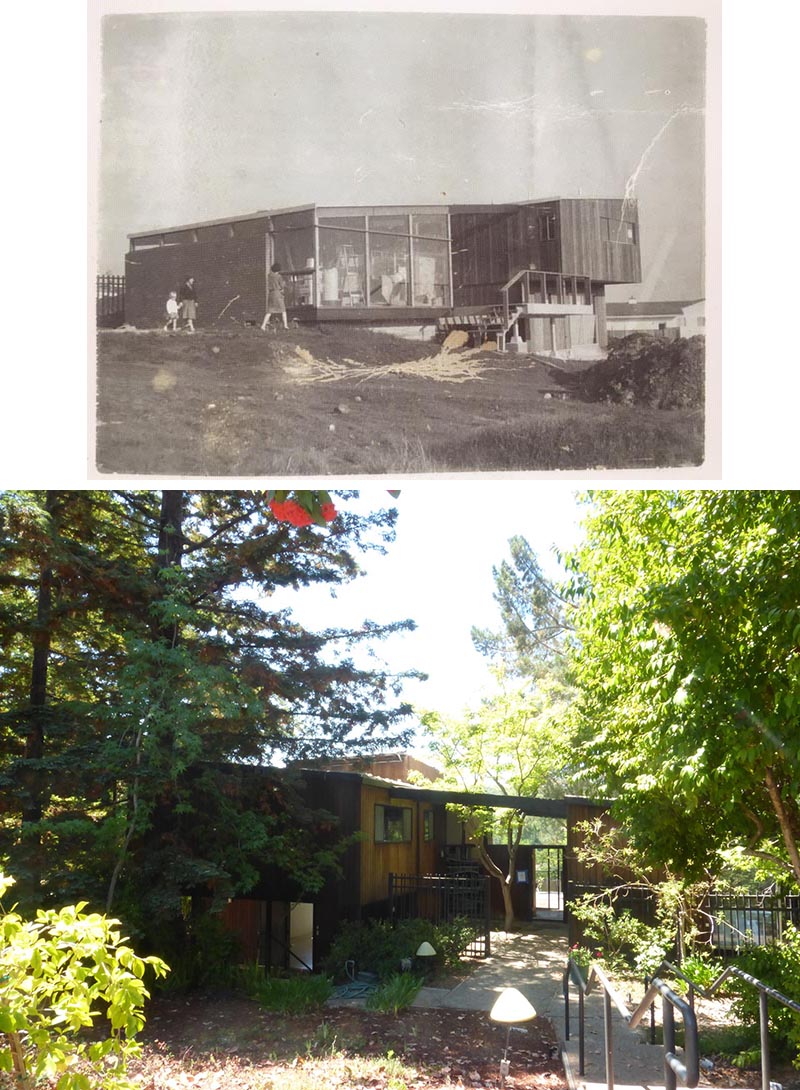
{"x":328,"y":512}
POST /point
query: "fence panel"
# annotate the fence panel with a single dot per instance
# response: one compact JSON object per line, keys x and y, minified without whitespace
{"x":732,"y":921}
{"x":110,"y":301}
{"x":750,"y":920}
{"x":442,"y":898}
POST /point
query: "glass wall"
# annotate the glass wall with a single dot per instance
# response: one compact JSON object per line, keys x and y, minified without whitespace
{"x":431,"y":273}
{"x":390,"y":259}
{"x":388,"y":267}
{"x":293,"y":250}
{"x":342,"y":262}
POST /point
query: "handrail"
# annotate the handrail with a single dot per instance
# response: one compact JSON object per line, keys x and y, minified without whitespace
{"x":506,"y":288}
{"x":765,"y":992}
{"x":688,"y":1071}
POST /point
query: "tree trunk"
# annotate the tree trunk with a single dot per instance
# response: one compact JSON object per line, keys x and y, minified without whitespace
{"x":507,"y":904}
{"x":505,"y":880}
{"x":170,"y":529}
{"x":785,"y":821}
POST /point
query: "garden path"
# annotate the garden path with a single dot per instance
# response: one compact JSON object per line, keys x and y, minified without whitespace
{"x":532,"y":960}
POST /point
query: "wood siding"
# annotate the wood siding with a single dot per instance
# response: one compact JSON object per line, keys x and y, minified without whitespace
{"x":585,"y":253}
{"x":379,"y":860}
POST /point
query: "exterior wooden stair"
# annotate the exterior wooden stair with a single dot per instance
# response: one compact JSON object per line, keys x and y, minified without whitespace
{"x":483,"y":324}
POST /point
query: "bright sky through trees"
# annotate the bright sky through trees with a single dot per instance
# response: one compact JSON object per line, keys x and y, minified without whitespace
{"x":439,"y":572}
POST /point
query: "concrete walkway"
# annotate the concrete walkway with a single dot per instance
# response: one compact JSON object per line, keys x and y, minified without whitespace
{"x":533,"y":961}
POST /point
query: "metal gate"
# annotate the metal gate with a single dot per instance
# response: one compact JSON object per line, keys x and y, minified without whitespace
{"x":443,"y":898}
{"x":549,"y":874}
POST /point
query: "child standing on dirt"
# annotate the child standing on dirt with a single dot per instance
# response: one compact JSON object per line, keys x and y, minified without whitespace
{"x":172,"y":312}
{"x":276,"y":302}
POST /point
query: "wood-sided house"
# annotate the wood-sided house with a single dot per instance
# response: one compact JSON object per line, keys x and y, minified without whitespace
{"x":533,"y":268}
{"x":403,"y":829}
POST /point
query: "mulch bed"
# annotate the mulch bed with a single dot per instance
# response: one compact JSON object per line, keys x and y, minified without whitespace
{"x":197,"y":1039}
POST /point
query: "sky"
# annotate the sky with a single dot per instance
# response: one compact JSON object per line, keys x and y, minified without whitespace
{"x":443,"y":580}
{"x":214,"y":114}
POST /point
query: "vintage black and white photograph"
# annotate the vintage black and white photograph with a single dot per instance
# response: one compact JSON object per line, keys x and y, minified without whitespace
{"x":335,"y":243}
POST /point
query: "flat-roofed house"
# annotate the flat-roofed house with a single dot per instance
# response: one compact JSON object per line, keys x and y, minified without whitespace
{"x":532,"y":269}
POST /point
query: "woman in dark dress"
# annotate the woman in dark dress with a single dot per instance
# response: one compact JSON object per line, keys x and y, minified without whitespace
{"x":276,"y":301}
{"x":188,"y":302}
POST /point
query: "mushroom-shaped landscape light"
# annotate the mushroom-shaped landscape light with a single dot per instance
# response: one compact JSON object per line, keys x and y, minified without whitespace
{"x":425,"y":955}
{"x":510,"y":1008}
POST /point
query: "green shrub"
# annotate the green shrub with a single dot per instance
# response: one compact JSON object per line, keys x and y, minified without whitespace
{"x":293,"y":994}
{"x":395,"y":993}
{"x":204,"y":955}
{"x":778,"y":966}
{"x":623,"y":941}
{"x":379,"y":947}
{"x":55,"y":972}
{"x":645,"y":370}
{"x":702,"y":970}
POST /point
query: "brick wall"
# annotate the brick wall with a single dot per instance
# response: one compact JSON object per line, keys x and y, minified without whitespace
{"x":222,"y":268}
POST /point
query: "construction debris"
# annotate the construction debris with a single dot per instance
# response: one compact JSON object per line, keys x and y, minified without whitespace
{"x":446,"y":366}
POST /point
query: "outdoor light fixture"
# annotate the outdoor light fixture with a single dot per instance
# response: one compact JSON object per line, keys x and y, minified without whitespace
{"x":510,"y":1009}
{"x":425,"y":955}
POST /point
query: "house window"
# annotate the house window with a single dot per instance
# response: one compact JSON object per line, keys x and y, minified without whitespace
{"x":427,"y":825}
{"x":547,"y":227}
{"x":617,"y":231}
{"x":392,"y":824}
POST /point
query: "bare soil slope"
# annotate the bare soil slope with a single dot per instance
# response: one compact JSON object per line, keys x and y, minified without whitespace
{"x":313,"y":402}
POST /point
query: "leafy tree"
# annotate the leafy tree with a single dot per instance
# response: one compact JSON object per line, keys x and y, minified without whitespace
{"x":687,"y":660}
{"x":55,"y":970}
{"x":144,"y":672}
{"x":514,"y":744}
{"x":535,"y":625}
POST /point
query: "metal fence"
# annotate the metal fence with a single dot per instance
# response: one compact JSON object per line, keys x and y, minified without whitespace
{"x":443,"y":898}
{"x":731,"y":920}
{"x":750,"y":920}
{"x":110,"y":301}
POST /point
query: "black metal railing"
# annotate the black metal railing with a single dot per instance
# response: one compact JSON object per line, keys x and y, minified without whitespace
{"x":686,"y":1069}
{"x":750,"y":919}
{"x":445,"y":898}
{"x":765,"y":993}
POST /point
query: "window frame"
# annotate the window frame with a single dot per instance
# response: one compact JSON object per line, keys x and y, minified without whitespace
{"x":407,"y":819}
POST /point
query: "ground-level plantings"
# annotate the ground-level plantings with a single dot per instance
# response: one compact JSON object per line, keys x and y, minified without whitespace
{"x":289,"y":994}
{"x":777,"y":965}
{"x":380,"y":947}
{"x":396,"y":992}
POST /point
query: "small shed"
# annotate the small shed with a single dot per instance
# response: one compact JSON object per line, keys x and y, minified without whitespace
{"x":670,"y":319}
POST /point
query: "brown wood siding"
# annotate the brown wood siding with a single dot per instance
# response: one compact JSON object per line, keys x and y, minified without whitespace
{"x":378,"y":861}
{"x":246,"y":919}
{"x":585,"y":253}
